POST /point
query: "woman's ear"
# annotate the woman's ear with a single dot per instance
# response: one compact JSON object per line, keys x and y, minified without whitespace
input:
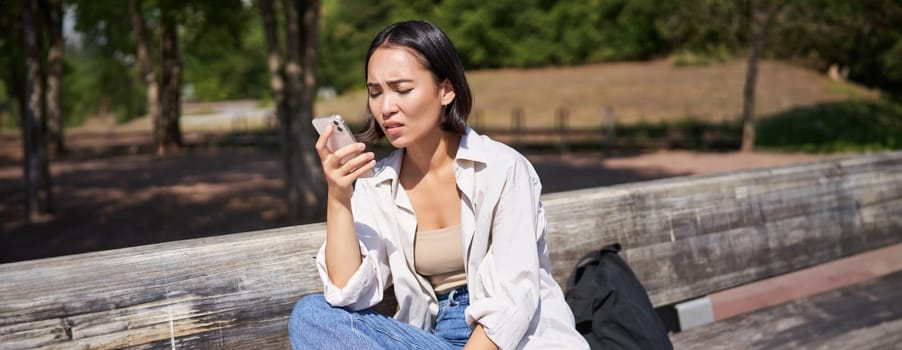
{"x":447,"y":92}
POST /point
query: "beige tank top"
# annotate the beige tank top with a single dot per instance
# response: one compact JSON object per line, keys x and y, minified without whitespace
{"x":437,"y":255}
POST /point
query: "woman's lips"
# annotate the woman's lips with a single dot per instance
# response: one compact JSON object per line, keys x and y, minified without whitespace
{"x":393,"y":128}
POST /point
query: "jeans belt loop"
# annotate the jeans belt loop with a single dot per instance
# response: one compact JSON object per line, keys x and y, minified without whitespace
{"x":451,"y":300}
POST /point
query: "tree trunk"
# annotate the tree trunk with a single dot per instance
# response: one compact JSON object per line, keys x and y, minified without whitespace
{"x":761,"y":14}
{"x":303,"y":173}
{"x":273,"y":57}
{"x":313,"y":181}
{"x":277,"y":88}
{"x":148,"y":72}
{"x":55,"y":74}
{"x":37,"y":174}
{"x":748,"y":94}
{"x":168,"y":133}
{"x":292,"y":73}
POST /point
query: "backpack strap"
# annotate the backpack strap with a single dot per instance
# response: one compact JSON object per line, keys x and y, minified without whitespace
{"x":611,"y":248}
{"x":590,"y":258}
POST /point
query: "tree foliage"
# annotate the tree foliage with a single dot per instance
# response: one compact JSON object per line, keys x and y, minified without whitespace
{"x":345,"y":33}
{"x":99,"y":79}
{"x":224,"y":50}
{"x":534,"y":33}
{"x":862,"y":36}
{"x":12,"y":65}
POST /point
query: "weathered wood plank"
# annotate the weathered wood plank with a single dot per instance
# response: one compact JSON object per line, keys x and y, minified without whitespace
{"x":836,"y":274}
{"x":685,"y":237}
{"x":863,"y":316}
{"x":700,"y":235}
{"x":224,"y":290}
{"x":716,"y":202}
{"x":693,"y":267}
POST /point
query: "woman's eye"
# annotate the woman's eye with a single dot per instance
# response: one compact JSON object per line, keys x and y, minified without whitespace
{"x":374,"y":94}
{"x":405,"y":92}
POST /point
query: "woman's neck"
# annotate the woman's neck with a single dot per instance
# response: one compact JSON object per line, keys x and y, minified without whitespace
{"x":431,"y":154}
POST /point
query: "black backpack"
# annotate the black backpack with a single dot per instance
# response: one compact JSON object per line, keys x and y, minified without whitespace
{"x":611,"y":308}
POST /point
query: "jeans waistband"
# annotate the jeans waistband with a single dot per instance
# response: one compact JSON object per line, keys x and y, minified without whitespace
{"x":454,"y":294}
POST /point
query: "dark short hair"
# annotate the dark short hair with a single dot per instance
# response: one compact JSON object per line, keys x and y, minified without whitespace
{"x":436,"y":52}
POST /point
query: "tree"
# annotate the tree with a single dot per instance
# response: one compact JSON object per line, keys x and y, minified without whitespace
{"x":706,"y":27}
{"x":54,"y":21}
{"x":347,"y":28}
{"x":211,"y":32}
{"x":164,"y":97}
{"x":761,"y":14}
{"x":709,"y":26}
{"x":100,"y":65}
{"x":12,"y":62}
{"x":223,"y":51}
{"x":148,"y":72}
{"x":861,"y":37}
{"x":293,"y":84}
{"x":34,"y":127}
{"x":168,"y":133}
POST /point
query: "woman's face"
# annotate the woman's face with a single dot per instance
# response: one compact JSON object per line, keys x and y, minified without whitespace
{"x":404,"y":96}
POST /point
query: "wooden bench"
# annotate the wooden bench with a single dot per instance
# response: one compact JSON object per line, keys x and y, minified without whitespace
{"x":685,"y":237}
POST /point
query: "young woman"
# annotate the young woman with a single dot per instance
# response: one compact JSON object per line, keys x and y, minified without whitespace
{"x":451,"y":220}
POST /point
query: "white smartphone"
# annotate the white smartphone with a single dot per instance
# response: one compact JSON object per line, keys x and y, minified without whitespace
{"x":341,"y":135}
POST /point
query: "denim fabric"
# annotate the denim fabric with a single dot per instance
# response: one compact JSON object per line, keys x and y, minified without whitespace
{"x":450,"y":322}
{"x":314,"y":324}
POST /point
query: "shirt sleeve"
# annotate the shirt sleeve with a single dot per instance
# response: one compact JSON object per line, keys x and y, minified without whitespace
{"x":510,"y":272}
{"x":365,"y":287}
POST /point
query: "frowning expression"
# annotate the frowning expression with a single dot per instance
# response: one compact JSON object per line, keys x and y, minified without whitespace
{"x":405,"y":98}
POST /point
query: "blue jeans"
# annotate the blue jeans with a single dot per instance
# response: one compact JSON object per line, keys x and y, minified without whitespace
{"x":314,"y":324}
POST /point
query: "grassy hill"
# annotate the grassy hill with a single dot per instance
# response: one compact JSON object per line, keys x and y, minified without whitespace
{"x":798,"y":109}
{"x":642,"y":91}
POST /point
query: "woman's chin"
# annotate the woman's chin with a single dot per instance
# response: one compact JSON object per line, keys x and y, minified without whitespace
{"x":397,"y":142}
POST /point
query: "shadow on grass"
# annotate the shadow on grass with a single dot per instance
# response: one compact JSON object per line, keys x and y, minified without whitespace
{"x":849,"y":126}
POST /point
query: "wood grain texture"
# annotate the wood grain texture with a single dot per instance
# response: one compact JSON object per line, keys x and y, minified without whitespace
{"x":690,"y":236}
{"x":685,"y":237}
{"x":803,"y":283}
{"x":220,"y":291}
{"x":863,"y":316}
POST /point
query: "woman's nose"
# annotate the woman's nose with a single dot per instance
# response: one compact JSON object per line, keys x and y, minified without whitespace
{"x":388,"y":105}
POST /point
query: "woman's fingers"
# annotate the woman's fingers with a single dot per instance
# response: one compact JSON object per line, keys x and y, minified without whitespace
{"x":347,"y":152}
{"x":363,"y":169}
{"x":321,"y":148}
{"x":343,"y":166}
{"x":354,"y":164}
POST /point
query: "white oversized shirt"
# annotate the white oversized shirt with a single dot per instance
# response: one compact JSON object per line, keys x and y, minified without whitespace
{"x":512,"y":292}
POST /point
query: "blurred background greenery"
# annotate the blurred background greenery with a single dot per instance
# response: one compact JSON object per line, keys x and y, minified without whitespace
{"x":224,"y":54}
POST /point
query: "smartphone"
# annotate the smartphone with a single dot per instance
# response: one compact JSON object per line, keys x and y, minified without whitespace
{"x":341,"y":135}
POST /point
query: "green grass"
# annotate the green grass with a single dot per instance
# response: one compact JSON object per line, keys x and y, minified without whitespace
{"x":848,"y":126}
{"x":690,"y":132}
{"x":837,"y":127}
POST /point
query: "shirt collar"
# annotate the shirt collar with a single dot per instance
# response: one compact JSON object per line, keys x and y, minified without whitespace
{"x":471,"y":148}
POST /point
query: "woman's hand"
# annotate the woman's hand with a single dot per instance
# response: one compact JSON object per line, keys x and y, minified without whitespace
{"x":340,"y":176}
{"x":342,"y":249}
